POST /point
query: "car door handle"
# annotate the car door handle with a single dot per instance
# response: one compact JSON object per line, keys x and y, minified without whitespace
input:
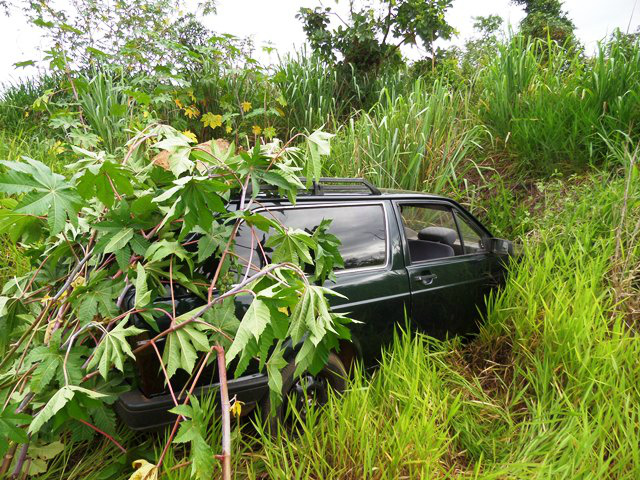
{"x":427,"y":279}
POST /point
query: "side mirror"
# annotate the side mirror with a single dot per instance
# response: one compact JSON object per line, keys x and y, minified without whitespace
{"x":500,"y":246}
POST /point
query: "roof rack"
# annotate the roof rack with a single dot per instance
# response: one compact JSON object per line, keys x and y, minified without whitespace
{"x":332,"y":184}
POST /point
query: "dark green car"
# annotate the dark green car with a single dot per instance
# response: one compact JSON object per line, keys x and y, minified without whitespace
{"x":406,"y":255}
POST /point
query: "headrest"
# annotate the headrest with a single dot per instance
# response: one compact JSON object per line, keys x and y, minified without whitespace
{"x":444,"y":235}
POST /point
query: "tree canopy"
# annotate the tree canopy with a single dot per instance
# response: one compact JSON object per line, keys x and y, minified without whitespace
{"x":546,"y":18}
{"x":375,"y":31}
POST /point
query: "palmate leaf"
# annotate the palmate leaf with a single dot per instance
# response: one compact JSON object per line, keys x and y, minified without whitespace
{"x":97,"y":182}
{"x":291,"y":245}
{"x":222,"y":317}
{"x":97,"y":297}
{"x":182,"y":345}
{"x":47,"y":193}
{"x":179,"y":151}
{"x":49,"y":361}
{"x":112,"y":348}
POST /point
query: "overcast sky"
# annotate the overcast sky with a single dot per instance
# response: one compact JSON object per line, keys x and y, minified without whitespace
{"x":274,"y":21}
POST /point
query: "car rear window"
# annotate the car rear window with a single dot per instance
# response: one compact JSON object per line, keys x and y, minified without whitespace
{"x":361,"y":230}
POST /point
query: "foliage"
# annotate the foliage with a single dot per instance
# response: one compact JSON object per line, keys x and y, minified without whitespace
{"x":113,"y":226}
{"x":480,"y":49}
{"x":523,"y":86}
{"x":375,"y":32}
{"x":546,"y":390}
{"x":419,"y":140}
{"x":546,"y":19}
{"x":137,"y":35}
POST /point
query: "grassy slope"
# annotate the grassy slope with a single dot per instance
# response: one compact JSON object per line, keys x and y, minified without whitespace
{"x":549,"y":388}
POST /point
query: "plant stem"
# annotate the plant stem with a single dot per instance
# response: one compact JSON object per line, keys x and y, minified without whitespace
{"x":226,"y":415}
{"x":113,"y":440}
{"x":22,"y":456}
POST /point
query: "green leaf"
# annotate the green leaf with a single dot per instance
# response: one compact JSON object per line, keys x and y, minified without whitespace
{"x":50,"y":360}
{"x":253,"y":323}
{"x":112,"y":348}
{"x":291,"y":245}
{"x":47,"y":193}
{"x":275,"y":364}
{"x":182,"y":345}
{"x":98,"y":297}
{"x":160,"y":250}
{"x":222,"y":317}
{"x":10,"y":428}
{"x":57,"y":402}
{"x":319,"y":145}
{"x":193,"y":430}
{"x":143,"y":295}
{"x":119,"y":240}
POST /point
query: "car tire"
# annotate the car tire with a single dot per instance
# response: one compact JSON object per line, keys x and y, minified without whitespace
{"x":333,"y":375}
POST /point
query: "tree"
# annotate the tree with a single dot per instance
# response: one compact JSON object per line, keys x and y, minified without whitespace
{"x":136,"y":35}
{"x":485,"y":45}
{"x":374,"y":32}
{"x":545,"y":18}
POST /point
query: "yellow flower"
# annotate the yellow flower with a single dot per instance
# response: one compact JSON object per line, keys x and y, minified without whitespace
{"x":144,"y":470}
{"x":191,"y":136}
{"x":228,"y":129}
{"x":145,"y":114}
{"x":236,"y":408}
{"x":57,"y":148}
{"x":178,"y":103}
{"x":26,"y":113}
{"x":192,"y":112}
{"x":211,"y":120}
{"x":256,"y":130}
{"x":246,"y":106}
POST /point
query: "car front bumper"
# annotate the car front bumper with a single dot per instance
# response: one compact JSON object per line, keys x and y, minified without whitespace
{"x":142,"y":413}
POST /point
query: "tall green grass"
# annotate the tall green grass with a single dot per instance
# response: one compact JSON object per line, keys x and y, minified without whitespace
{"x":17,"y":99}
{"x":551,"y":107}
{"x":418,"y":140}
{"x":316,"y":94}
{"x":106,"y":107}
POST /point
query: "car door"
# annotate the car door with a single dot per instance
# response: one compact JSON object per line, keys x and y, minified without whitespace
{"x":447,"y":278}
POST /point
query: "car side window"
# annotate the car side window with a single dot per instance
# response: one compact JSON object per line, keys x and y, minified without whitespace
{"x":361,"y":230}
{"x":430,"y":231}
{"x":472,"y":237}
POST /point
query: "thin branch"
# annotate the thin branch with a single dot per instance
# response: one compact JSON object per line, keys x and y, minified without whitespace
{"x":113,"y":440}
{"x":226,"y":417}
